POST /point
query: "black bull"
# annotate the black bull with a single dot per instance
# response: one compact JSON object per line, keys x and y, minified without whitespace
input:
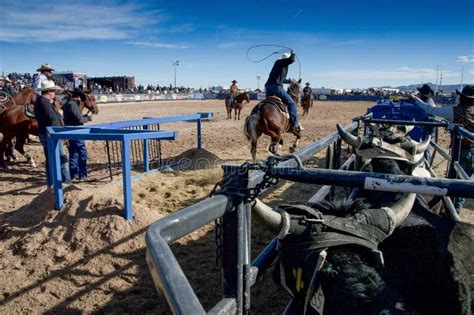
{"x":329,"y":258}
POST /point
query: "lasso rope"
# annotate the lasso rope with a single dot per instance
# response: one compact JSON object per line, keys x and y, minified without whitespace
{"x":278,"y":52}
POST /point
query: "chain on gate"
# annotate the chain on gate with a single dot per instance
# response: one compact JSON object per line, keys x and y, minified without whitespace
{"x":248,"y":194}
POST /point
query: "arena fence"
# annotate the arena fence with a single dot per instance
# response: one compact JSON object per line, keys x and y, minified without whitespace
{"x":127,"y":142}
{"x":143,"y":97}
{"x":239,"y":273}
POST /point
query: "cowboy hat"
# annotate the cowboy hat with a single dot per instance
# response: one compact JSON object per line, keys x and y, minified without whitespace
{"x":45,"y":67}
{"x":467,"y":91}
{"x":307,"y":83}
{"x":426,"y":90}
{"x":234,"y":81}
{"x":286,"y":55}
{"x":77,"y":92}
{"x":49,"y":86}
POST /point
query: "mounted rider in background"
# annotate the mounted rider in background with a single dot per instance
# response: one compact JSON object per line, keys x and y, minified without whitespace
{"x":307,"y":90}
{"x":234,"y":90}
{"x":274,"y":86}
{"x":45,"y":74}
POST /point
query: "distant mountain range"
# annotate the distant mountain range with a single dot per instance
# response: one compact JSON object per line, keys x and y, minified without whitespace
{"x":445,"y":88}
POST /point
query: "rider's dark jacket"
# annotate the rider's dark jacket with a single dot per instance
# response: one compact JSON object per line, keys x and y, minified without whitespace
{"x":46,"y":115}
{"x":280,"y":70}
{"x":72,"y":114}
{"x":306,"y":90}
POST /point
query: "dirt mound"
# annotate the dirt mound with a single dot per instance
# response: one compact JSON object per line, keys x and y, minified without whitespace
{"x":194,"y":159}
{"x":86,"y":256}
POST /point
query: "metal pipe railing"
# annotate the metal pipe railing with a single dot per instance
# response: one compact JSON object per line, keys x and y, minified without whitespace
{"x":167,"y":274}
{"x":377,"y":181}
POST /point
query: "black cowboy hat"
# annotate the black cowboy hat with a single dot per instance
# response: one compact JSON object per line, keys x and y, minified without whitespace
{"x":467,"y":91}
{"x":307,"y":83}
{"x":78,"y":93}
{"x":234,"y":81}
{"x":426,"y":90}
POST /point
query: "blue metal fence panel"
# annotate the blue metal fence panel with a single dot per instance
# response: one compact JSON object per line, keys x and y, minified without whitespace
{"x":113,"y":132}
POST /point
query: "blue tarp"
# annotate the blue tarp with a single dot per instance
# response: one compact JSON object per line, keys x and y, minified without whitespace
{"x":402,"y":110}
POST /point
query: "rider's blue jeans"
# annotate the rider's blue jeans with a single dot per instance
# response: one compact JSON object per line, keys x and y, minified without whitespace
{"x":277,"y":90}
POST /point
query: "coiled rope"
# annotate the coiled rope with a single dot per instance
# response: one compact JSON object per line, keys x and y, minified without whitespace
{"x":282,"y":50}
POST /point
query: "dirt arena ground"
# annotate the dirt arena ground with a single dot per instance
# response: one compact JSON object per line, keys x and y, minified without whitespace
{"x":88,"y":259}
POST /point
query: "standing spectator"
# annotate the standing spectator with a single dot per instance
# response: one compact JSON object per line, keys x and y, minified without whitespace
{"x":425,"y":95}
{"x":77,"y":148}
{"x":463,"y":114}
{"x":47,"y":116}
{"x":45,"y":74}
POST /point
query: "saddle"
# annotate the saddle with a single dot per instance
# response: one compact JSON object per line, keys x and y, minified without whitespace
{"x":30,"y":110}
{"x":275,"y":101}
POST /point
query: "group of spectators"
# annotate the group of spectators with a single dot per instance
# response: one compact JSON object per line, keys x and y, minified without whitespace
{"x":140,"y":89}
{"x":15,"y":82}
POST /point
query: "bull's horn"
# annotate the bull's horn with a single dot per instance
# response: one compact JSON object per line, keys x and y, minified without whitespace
{"x":420,"y":148}
{"x":347,"y":137}
{"x":403,"y":207}
{"x":268,"y":216}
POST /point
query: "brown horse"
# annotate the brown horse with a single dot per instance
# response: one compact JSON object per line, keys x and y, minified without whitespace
{"x":294,"y":90}
{"x":14,"y":122}
{"x":26,"y":96}
{"x":267,"y":118}
{"x":237,"y":105}
{"x":307,"y":103}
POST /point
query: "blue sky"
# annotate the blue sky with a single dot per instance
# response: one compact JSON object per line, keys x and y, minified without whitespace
{"x":339,"y":43}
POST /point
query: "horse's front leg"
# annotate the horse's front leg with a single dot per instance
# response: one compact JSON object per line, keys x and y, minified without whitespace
{"x":3,"y":147}
{"x":239,"y":112}
{"x":20,"y":147}
{"x":296,"y":143}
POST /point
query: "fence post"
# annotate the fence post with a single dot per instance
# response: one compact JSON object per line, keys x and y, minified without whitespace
{"x":54,"y":161}
{"x":127,"y":180}
{"x":199,"y":143}
{"x":235,"y":260}
{"x":146,"y":156}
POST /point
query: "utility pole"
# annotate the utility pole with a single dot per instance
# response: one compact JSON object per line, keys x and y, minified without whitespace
{"x":440,"y":81}
{"x":258,"y":82}
{"x":175,"y":63}
{"x":462,"y":76}
{"x":437,"y":73}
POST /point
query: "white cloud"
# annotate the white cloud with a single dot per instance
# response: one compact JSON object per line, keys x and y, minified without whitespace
{"x":52,"y":21}
{"x":160,"y":45}
{"x":182,"y":28}
{"x":388,"y":76}
{"x":349,"y":42}
{"x":465,"y":59}
{"x":228,"y":45}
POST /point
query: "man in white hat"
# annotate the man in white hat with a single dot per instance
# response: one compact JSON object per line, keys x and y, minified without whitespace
{"x":45,"y":74}
{"x":7,"y":86}
{"x":47,"y":116}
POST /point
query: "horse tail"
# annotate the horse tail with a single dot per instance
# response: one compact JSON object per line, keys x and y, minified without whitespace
{"x":250,"y":127}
